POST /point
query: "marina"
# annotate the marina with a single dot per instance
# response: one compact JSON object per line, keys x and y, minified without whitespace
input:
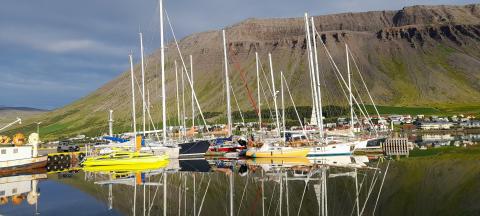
{"x":365,"y":113}
{"x":329,"y":185}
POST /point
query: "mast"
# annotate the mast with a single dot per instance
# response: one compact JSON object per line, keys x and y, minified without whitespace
{"x":143,"y":83}
{"x":312,"y":69}
{"x":133,"y":99}
{"x":258,"y":92}
{"x":193,"y":99}
{"x":148,"y":106}
{"x":162,"y":56}
{"x":183,"y":105}
{"x":274,"y":94}
{"x":283,"y":104}
{"x":319,"y":92}
{"x":110,"y":123}
{"x":177,"y":94}
{"x":227,"y":84}
{"x":350,"y":91}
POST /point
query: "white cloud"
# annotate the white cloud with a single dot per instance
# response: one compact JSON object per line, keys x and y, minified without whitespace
{"x":59,"y":42}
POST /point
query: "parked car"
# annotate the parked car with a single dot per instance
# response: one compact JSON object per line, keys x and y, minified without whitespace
{"x":67,"y":146}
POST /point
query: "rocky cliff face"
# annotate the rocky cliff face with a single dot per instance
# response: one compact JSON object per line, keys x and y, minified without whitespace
{"x":417,"y":56}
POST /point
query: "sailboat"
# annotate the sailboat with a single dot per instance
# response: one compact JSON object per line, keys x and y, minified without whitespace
{"x":273,"y":148}
{"x":117,"y":159}
{"x":332,"y":145}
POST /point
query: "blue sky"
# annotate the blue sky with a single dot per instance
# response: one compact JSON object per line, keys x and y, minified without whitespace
{"x":53,"y":52}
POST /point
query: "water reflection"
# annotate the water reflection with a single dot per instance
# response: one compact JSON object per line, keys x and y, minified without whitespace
{"x":212,"y":187}
{"x":439,"y":140}
{"x":340,"y":185}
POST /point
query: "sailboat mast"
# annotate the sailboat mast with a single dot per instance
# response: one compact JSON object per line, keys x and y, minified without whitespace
{"x":283,"y":104}
{"x":258,"y":92}
{"x":193,"y":98}
{"x":110,"y":123}
{"x":143,"y":83}
{"x":133,"y":98}
{"x":312,"y":69}
{"x":183,"y":105}
{"x":350,"y":90}
{"x":227,"y":84}
{"x":319,"y":92}
{"x":274,"y":94}
{"x":162,"y":56}
{"x":177,"y":94}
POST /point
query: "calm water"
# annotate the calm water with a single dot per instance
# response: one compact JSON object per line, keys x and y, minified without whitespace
{"x":324,"y":186}
{"x":340,"y":185}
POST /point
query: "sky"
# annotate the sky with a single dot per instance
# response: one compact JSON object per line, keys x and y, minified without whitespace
{"x":53,"y":52}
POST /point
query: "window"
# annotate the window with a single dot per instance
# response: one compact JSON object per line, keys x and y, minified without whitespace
{"x":2,"y":193}
{"x":14,"y":191}
{"x":4,"y":151}
{"x":15,"y":150}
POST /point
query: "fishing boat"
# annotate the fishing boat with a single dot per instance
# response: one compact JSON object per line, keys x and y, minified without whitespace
{"x":14,"y":157}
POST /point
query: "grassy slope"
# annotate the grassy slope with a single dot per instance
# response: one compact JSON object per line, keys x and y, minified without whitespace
{"x":433,"y":77}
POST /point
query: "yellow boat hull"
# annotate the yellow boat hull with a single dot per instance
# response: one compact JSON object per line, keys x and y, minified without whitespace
{"x":279,"y":161}
{"x":127,"y":168}
{"x":125,"y":159}
{"x":291,"y":153}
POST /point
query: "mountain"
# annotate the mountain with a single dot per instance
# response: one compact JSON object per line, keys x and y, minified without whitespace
{"x":9,"y":114}
{"x":419,"y":56}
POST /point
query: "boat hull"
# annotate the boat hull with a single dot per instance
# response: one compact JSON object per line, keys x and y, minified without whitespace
{"x":194,"y":149}
{"x":127,"y":167}
{"x":142,"y":161}
{"x":12,"y":166}
{"x":330,"y":150}
{"x":277,"y":153}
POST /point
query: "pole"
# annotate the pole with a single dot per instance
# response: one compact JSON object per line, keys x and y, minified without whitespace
{"x":312,"y":69}
{"x":258,"y":92}
{"x":227,"y":84}
{"x":143,"y":83}
{"x":165,"y":194}
{"x":274,"y":94}
{"x":133,"y":98}
{"x":283,"y":103}
{"x":263,"y":195}
{"x":177,"y":96}
{"x":38,"y":128}
{"x":183,"y":106}
{"x":231,"y":193}
{"x":193,"y":99}
{"x":110,"y":123}
{"x":12,"y":123}
{"x":350,"y":90}
{"x":319,"y":92}
{"x":162,"y":56}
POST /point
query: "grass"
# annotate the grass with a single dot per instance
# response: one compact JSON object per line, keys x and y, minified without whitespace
{"x":447,"y":152}
{"x":404,"y":110}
